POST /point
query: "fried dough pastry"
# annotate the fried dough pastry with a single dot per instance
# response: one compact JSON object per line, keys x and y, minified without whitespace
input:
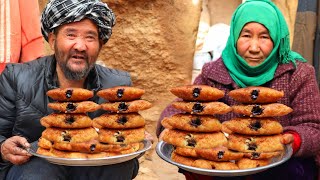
{"x":246,"y":163}
{"x":202,"y":163}
{"x":256,"y":94}
{"x":221,"y":153}
{"x":127,"y":136}
{"x":92,"y":146}
{"x":61,"y":120}
{"x":253,"y":126}
{"x":208,"y":108}
{"x":69,"y":135}
{"x":194,"y":140}
{"x":266,"y":110}
{"x":193,"y":123}
{"x":267,"y":155}
{"x":70,"y":94}
{"x":119,"y":121}
{"x":126,"y":107}
{"x":73,"y":155}
{"x":121,"y":93}
{"x":245,"y":143}
{"x":74,"y":107}
{"x":197,"y":93}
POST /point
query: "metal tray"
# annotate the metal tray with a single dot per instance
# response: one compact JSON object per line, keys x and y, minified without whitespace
{"x":91,"y":162}
{"x":164,"y":151}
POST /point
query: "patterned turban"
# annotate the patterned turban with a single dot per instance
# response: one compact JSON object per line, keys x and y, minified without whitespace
{"x":59,"y":12}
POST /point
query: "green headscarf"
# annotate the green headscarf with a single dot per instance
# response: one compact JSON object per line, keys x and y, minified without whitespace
{"x":266,"y":13}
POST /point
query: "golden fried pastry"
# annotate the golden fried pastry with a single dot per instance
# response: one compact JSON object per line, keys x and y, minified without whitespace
{"x":126,"y":107}
{"x":197,"y":93}
{"x":202,"y":163}
{"x":253,"y":126}
{"x":267,"y":110}
{"x":70,"y":94}
{"x":194,"y":140}
{"x":244,"y":143}
{"x":246,"y":163}
{"x":267,"y":155}
{"x":127,"y":136}
{"x":202,"y":107}
{"x":219,"y":154}
{"x":187,"y":152}
{"x":119,"y":121}
{"x":92,"y":146}
{"x":256,"y":94}
{"x":43,"y":151}
{"x":69,"y":135}
{"x":193,"y":123}
{"x":44,"y":143}
{"x":61,"y":120}
{"x":121,"y":93}
{"x":74,"y":107}
{"x":79,"y":155}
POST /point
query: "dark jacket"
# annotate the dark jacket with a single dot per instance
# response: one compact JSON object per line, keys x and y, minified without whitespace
{"x":301,"y":94}
{"x":23,"y":99}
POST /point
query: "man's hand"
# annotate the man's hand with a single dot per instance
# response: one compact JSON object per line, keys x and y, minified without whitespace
{"x":287,"y":138}
{"x":13,"y":150}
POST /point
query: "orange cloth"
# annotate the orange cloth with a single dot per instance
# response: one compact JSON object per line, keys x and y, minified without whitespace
{"x":20,"y":34}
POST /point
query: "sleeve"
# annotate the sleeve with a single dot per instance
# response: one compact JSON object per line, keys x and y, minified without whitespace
{"x":305,"y":101}
{"x":7,"y":108}
{"x":32,"y":45}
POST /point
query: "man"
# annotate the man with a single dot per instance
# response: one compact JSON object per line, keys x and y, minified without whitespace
{"x":76,"y":30}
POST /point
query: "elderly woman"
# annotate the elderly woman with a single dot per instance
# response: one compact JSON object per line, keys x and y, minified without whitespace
{"x":258,"y":54}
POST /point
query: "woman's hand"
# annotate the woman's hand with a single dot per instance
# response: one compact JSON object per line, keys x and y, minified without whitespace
{"x":13,"y":150}
{"x":287,"y":138}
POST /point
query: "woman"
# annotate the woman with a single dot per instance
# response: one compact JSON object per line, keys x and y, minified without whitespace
{"x":258,"y":54}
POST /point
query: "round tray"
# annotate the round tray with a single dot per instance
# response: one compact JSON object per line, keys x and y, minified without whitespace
{"x":164,"y":151}
{"x":90,"y":162}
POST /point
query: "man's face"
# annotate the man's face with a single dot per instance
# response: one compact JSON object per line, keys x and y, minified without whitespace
{"x":76,"y":46}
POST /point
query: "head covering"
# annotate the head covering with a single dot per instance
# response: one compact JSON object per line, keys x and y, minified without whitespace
{"x":266,"y":13}
{"x":59,"y":12}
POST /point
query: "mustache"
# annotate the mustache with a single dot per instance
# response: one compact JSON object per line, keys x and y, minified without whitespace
{"x":78,"y":54}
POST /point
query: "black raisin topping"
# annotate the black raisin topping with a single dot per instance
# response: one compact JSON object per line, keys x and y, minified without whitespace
{"x":66,"y":136}
{"x":120,"y":138}
{"x":71,"y":107}
{"x":255,"y":125}
{"x":255,"y":155}
{"x":197,"y":107}
{"x":195,"y":122}
{"x":255,"y":94}
{"x":69,"y":93}
{"x":196,"y":92}
{"x":122,"y":120}
{"x":220,"y":154}
{"x":191,"y":142}
{"x":120,"y":93}
{"x":69,"y":120}
{"x":92,"y":147}
{"x":256,"y":110}
{"x":252,"y":146}
{"x":122,"y":106}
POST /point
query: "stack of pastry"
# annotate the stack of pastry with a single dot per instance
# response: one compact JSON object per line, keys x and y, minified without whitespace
{"x":122,"y":124}
{"x":69,"y":132}
{"x":257,"y":134}
{"x":196,"y":134}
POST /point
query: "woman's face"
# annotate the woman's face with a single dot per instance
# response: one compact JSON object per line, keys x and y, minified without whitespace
{"x":254,"y":44}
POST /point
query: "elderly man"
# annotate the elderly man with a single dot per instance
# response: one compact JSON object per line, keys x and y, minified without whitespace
{"x":76,"y":30}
